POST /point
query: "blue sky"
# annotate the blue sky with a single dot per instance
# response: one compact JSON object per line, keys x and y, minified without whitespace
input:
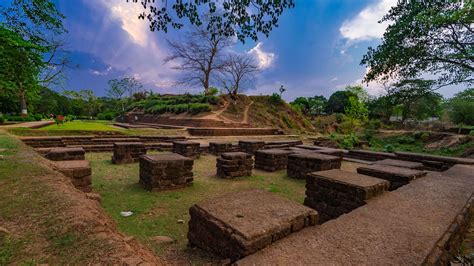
{"x":316,"y":49}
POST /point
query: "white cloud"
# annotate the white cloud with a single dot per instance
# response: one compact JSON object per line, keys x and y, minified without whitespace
{"x":128,"y":15}
{"x":101,"y":73}
{"x":365,"y":25}
{"x":334,"y":79}
{"x":264,"y":59}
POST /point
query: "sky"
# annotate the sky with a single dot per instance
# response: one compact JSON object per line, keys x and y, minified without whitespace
{"x":315,"y":50}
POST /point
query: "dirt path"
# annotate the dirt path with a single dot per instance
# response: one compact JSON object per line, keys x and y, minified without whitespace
{"x":216,"y":115}
{"x":245,"y":119}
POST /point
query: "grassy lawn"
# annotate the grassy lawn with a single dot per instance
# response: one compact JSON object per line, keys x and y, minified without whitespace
{"x":157,"y":213}
{"x":94,"y":127}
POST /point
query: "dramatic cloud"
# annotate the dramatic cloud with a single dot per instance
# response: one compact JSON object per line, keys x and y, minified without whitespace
{"x":128,"y":15}
{"x":264,"y":59}
{"x":365,"y":25}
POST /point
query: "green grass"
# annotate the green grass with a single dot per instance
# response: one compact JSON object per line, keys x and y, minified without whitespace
{"x":157,"y":213}
{"x":95,"y":125}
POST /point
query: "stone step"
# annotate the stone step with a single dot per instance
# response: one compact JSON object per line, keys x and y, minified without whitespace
{"x":336,"y":192}
{"x":233,"y":131}
{"x":397,"y":176}
{"x":238,"y":224}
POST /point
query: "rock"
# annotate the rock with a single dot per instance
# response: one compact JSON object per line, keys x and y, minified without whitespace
{"x":94,"y":196}
{"x":180,"y":221}
{"x":162,"y":239}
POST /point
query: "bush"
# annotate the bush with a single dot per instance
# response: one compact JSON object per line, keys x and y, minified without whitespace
{"x":108,"y":115}
{"x":212,"y":91}
{"x":275,"y":98}
{"x":197,"y":108}
{"x":471,"y":132}
{"x":38,"y":117}
{"x":339,"y":117}
{"x":2,"y":120}
{"x":349,"y":141}
{"x":69,"y":118}
{"x":389,"y":148}
{"x":406,"y":140}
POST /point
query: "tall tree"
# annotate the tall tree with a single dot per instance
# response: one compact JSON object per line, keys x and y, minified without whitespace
{"x":435,"y":37}
{"x":199,"y":56}
{"x":85,"y":101}
{"x":338,"y":101}
{"x":120,"y":87}
{"x":244,"y":19}
{"x":461,"y":107}
{"x":239,"y":69}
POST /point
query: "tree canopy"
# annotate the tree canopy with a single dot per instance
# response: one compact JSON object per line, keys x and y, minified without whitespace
{"x":461,"y":107}
{"x":433,"y":37}
{"x":244,"y":19}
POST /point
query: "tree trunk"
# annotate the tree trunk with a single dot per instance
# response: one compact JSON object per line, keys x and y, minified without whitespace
{"x":24,"y":109}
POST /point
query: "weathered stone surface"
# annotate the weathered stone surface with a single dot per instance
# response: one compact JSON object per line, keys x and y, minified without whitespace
{"x":165,"y":171}
{"x":79,"y":171}
{"x":370,"y":155}
{"x":301,"y":164}
{"x":188,"y":149}
{"x":336,"y":192}
{"x":433,"y":162}
{"x":250,"y":146}
{"x":400,"y":163}
{"x":234,"y":164}
{"x":128,"y":152}
{"x":398,"y":176}
{"x":217,"y":148}
{"x":238,"y":224}
{"x":271,"y":160}
{"x":65,"y":154}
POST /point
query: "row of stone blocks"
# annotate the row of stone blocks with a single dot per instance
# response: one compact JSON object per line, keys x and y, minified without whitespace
{"x":234,"y":164}
{"x":165,"y":171}
{"x":301,"y":164}
{"x":271,"y":160}
{"x":128,"y":152}
{"x":188,"y":149}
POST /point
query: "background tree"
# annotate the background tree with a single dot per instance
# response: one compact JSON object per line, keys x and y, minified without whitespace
{"x":425,"y":37}
{"x":461,"y":107}
{"x":380,"y":108}
{"x":199,"y":56}
{"x":238,"y":70}
{"x":244,"y":19}
{"x":310,"y":105}
{"x":85,"y":102}
{"x":338,"y":101}
{"x":119,"y":87}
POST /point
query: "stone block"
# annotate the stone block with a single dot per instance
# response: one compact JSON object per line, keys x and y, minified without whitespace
{"x":217,"y":148}
{"x":271,"y":160}
{"x":79,"y":171}
{"x":400,"y":163}
{"x":238,"y":224}
{"x":250,"y":146}
{"x":336,"y":192}
{"x":165,"y":171}
{"x":65,"y":154}
{"x":188,"y":149}
{"x":128,"y":152}
{"x":234,"y":164}
{"x":397,"y":176}
{"x":301,"y":164}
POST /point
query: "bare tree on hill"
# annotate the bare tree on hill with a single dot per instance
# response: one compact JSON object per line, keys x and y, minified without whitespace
{"x":199,"y":56}
{"x":240,"y":68}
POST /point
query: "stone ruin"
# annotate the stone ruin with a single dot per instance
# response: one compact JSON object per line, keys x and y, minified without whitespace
{"x":128,"y":152}
{"x":238,"y":224}
{"x":65,"y":154}
{"x":79,"y":171}
{"x":250,"y":146}
{"x":336,"y":192}
{"x":217,"y":148}
{"x":397,"y":176}
{"x":271,"y":160}
{"x":188,"y":149}
{"x":165,"y":171}
{"x":301,"y":164}
{"x":234,"y":164}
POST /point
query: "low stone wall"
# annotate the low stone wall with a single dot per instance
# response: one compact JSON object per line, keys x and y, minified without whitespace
{"x":279,"y":144}
{"x":78,"y":171}
{"x":65,"y":154}
{"x":188,"y":149}
{"x":238,"y":224}
{"x":250,"y":146}
{"x":234,"y":164}
{"x":165,"y":171}
{"x":128,"y":152}
{"x":448,"y":245}
{"x":217,"y":148}
{"x":335,"y":192}
{"x":271,"y":160}
{"x":433,"y":162}
{"x":233,"y":131}
{"x":399,"y":163}
{"x":301,"y":164}
{"x":397,"y":176}
{"x":369,"y":155}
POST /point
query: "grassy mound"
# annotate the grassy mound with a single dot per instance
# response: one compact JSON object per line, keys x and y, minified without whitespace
{"x":177,"y":104}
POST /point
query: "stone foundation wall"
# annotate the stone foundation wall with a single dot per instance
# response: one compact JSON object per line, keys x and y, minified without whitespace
{"x":79,"y":172}
{"x":165,"y":171}
{"x":301,"y":164}
{"x":217,"y":148}
{"x":370,"y":155}
{"x":65,"y":154}
{"x":233,"y":131}
{"x":397,"y":176}
{"x":188,"y":149}
{"x":234,"y":164}
{"x":128,"y":152}
{"x":251,"y":146}
{"x":271,"y":160}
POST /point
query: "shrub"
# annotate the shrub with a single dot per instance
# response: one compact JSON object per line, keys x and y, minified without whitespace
{"x":197,"y":108}
{"x":38,"y":117}
{"x":212,"y":91}
{"x":349,"y":141}
{"x":471,"y":132}
{"x":406,"y":140}
{"x":275,"y":98}
{"x":339,"y":117}
{"x":178,"y":108}
{"x":107,"y":115}
{"x":388,"y":148}
{"x":2,"y":120}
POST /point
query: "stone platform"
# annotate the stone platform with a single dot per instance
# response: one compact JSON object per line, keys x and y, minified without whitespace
{"x":271,"y":160}
{"x":128,"y":152}
{"x":251,"y":146}
{"x":416,"y":224}
{"x":400,"y":163}
{"x":238,"y":224}
{"x":234,"y":164}
{"x":79,"y":171}
{"x":301,"y":164}
{"x":188,"y":149}
{"x":217,"y":148}
{"x":397,"y":176}
{"x":335,"y":192}
{"x":165,"y":171}
{"x":65,"y":154}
